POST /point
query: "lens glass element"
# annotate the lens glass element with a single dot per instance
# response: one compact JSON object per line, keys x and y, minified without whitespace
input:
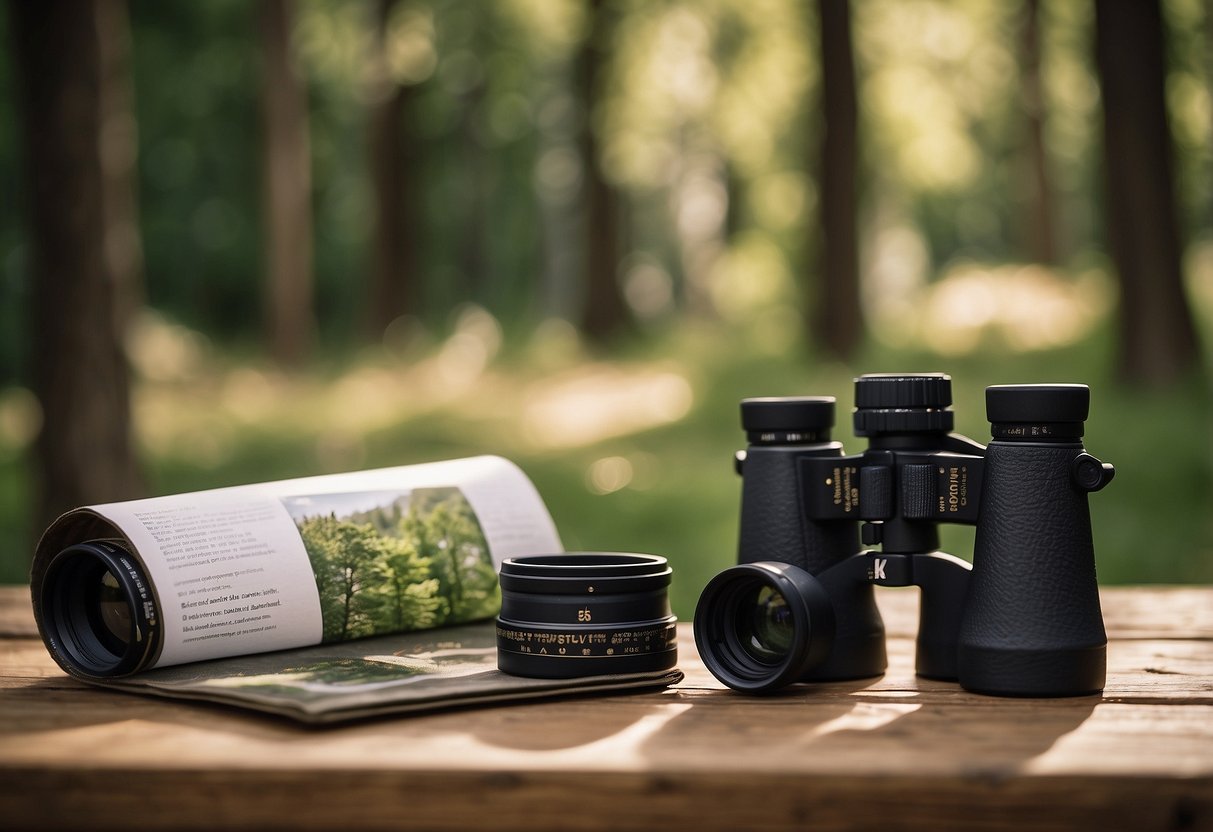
{"x":109,"y":605}
{"x":765,"y":628}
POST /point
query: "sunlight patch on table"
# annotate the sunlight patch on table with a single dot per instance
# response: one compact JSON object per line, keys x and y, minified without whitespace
{"x":865,"y":716}
{"x":624,"y":748}
{"x":1110,"y":739}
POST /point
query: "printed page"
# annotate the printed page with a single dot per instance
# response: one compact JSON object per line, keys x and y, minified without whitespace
{"x":279,"y":565}
{"x":229,"y":569}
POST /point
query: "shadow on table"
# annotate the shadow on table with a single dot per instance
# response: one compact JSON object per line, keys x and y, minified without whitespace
{"x":838,"y":725}
{"x":65,"y":704}
{"x":627,"y":724}
{"x":956,"y":733}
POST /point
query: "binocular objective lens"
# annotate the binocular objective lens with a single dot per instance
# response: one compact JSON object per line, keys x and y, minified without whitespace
{"x":765,"y":628}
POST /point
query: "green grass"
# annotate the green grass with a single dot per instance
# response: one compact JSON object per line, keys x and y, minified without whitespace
{"x":1152,"y":524}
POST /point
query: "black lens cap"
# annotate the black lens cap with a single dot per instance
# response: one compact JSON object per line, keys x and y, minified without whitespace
{"x":793,"y":419}
{"x":1037,"y":412}
{"x":1038,"y":403}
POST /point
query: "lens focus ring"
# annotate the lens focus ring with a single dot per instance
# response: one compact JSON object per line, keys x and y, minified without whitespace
{"x":585,"y":614}
{"x":892,"y":404}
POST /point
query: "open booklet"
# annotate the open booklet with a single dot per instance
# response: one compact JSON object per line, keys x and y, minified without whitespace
{"x":123,"y":593}
{"x":405,"y":673}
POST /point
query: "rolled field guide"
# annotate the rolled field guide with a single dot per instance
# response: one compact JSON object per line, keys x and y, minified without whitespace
{"x":124,"y":587}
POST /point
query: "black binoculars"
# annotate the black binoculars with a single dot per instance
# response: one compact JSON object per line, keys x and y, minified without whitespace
{"x":1024,"y":620}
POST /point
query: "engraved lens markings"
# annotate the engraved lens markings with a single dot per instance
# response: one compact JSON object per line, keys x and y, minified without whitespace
{"x":594,"y":643}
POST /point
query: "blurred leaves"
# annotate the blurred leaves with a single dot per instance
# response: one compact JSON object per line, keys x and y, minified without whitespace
{"x":707,"y":124}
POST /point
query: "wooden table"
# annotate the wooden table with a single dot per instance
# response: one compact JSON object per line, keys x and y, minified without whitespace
{"x":894,"y":753}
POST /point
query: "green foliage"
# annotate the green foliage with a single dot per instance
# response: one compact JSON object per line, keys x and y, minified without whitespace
{"x":381,"y":572}
{"x":14,"y":268}
{"x":448,"y":537}
{"x":1151,"y":524}
{"x":709,"y":109}
{"x":709,"y":106}
{"x":196,"y":92}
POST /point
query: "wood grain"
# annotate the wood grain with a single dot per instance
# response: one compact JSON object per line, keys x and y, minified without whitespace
{"x":895,"y":752}
{"x":16,"y":615}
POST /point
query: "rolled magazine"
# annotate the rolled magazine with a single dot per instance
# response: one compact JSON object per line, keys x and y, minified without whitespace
{"x":397,"y":562}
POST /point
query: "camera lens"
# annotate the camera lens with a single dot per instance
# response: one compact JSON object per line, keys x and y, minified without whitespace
{"x":585,"y":614}
{"x":892,"y":404}
{"x":98,"y":615}
{"x":762,"y":626}
{"x":1038,"y":412}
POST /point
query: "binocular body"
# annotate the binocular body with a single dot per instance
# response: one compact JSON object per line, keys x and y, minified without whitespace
{"x":1024,"y":620}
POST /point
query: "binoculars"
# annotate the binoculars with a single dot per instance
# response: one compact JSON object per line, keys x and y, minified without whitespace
{"x":820,"y":529}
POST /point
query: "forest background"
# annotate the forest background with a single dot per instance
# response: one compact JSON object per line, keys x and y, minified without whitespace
{"x":247,"y":241}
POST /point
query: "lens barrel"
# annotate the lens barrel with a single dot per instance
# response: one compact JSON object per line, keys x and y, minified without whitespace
{"x":762,"y":626}
{"x":585,"y":614}
{"x":98,"y":614}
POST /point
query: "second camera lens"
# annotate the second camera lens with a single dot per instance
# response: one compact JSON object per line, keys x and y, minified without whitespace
{"x":762,"y":626}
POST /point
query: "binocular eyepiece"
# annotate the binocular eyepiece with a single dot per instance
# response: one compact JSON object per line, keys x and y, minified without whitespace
{"x":820,"y":529}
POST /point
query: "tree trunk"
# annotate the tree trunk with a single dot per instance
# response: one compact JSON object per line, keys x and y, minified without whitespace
{"x":1039,"y":214}
{"x":71,"y":62}
{"x":1208,"y":6}
{"x":604,"y":314}
{"x":288,"y":184}
{"x":836,"y":322}
{"x":392,"y":162}
{"x":1157,"y":338}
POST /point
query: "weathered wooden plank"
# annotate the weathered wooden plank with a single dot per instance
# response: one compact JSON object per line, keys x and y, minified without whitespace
{"x":1167,"y":669}
{"x":1158,"y":612}
{"x":59,"y":724}
{"x":555,"y":800}
{"x":895,"y":752}
{"x":1129,"y":612}
{"x":16,"y":614}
